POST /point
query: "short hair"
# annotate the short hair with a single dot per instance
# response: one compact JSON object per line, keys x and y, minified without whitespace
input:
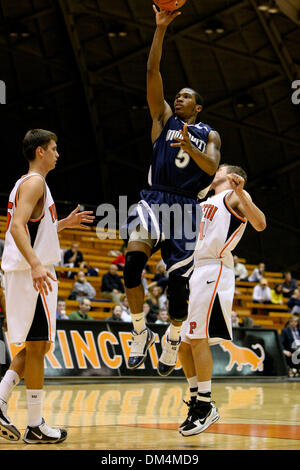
{"x":83,"y":299}
{"x":35,"y":138}
{"x":235,"y":169}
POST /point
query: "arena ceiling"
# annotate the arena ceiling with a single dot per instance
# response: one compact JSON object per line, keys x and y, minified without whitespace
{"x":78,"y":67}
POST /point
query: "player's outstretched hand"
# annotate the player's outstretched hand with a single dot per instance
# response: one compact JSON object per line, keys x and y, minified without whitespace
{"x":77,"y":219}
{"x":237,"y":182}
{"x":184,"y":141}
{"x":163,"y":17}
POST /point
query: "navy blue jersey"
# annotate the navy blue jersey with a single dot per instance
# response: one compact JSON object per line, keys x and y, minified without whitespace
{"x":172,"y":169}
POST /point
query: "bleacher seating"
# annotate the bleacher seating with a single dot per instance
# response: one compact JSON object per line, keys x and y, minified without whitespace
{"x":96,"y":249}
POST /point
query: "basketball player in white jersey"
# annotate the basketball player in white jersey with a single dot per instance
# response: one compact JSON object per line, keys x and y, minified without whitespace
{"x":212,"y":284}
{"x":31,"y":249}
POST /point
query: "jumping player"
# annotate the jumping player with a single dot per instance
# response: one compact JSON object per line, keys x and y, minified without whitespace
{"x":212,"y":284}
{"x":31,"y":249}
{"x":186,"y":156}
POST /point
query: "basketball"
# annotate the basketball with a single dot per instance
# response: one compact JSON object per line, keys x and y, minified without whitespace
{"x":169,"y":5}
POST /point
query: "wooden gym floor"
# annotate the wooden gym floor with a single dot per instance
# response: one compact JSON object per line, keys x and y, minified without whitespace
{"x":145,"y":415}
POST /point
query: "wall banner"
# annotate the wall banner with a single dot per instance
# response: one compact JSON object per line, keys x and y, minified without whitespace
{"x":101,"y":349}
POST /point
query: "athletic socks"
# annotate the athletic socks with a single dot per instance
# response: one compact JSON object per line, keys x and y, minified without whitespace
{"x":34,"y":403}
{"x":193,"y":386}
{"x":204,"y":391}
{"x":9,"y":381}
{"x":138,"y":322}
{"x":174,"y":332}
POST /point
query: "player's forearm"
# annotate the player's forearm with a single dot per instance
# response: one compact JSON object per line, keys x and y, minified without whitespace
{"x":156,"y":50}
{"x":22,"y":241}
{"x":62,"y":224}
{"x":255,"y":216}
{"x":206,"y":162}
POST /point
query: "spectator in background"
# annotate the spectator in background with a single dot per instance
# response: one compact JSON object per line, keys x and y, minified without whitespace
{"x":157,"y":300}
{"x":61,"y":310}
{"x":290,"y":339}
{"x":289,"y":284}
{"x":161,"y":278}
{"x":276,"y":295}
{"x":82,"y":312}
{"x":234,"y":319}
{"x":119,"y":261}
{"x":116,"y":314}
{"x":90,"y":270}
{"x":257,"y":273}
{"x":248,"y":323}
{"x":294,"y":302}
{"x":163,"y":317}
{"x":240,"y":271}
{"x":145,"y":283}
{"x":82,"y":288}
{"x":150,"y":315}
{"x":73,"y":257}
{"x":262,"y":292}
{"x":112,"y":286}
{"x":126,"y":314}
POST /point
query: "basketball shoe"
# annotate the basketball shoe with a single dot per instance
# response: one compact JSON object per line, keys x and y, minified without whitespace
{"x":202,"y":416}
{"x":7,"y":429}
{"x":43,"y":434}
{"x":168,"y":358}
{"x":139,"y":346}
{"x":190,"y":404}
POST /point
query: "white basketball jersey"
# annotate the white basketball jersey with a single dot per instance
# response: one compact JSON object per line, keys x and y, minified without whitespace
{"x":42,"y":233}
{"x":220,"y":231}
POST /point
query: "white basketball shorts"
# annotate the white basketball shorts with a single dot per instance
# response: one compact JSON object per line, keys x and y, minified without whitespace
{"x":31,"y":315}
{"x":210,"y":304}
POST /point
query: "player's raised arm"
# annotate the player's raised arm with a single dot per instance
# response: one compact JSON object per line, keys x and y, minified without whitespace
{"x":159,"y":109}
{"x":242,"y":202}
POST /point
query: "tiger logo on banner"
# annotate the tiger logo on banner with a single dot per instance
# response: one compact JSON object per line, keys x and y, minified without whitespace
{"x":244,"y":356}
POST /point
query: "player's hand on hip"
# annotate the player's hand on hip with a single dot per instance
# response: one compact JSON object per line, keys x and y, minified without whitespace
{"x":163,"y":17}
{"x":237,"y":182}
{"x":184,"y":141}
{"x":41,"y":279}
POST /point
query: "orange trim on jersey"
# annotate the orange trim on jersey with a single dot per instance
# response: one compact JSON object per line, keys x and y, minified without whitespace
{"x":230,"y":240}
{"x":47,"y":312}
{"x":212,"y":299}
{"x":231,"y":210}
{"x":40,"y":218}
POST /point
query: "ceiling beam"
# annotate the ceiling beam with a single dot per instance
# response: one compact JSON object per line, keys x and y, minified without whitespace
{"x":100,"y":158}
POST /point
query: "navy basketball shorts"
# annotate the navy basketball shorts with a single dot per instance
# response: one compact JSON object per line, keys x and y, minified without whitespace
{"x":170,"y":223}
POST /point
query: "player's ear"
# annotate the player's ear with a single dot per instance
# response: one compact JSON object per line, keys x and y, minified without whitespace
{"x":199,"y":108}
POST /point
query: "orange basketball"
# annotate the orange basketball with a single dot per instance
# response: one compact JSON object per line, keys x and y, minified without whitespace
{"x":169,"y":5}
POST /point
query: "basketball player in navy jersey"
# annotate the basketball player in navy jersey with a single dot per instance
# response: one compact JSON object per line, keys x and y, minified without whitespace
{"x":186,"y":156}
{"x":212,"y":284}
{"x":30,"y":252}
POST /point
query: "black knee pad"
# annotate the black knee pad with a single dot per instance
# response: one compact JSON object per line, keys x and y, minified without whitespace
{"x":135,"y":262}
{"x":178,"y":296}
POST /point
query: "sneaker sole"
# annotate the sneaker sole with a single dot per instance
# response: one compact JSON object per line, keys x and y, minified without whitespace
{"x":203,"y":428}
{"x":169,"y":372}
{"x":42,"y":441}
{"x":9,"y":433}
{"x":143,"y":357}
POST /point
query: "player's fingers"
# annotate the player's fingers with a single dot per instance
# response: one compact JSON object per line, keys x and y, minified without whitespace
{"x":51,"y":276}
{"x":76,"y":210}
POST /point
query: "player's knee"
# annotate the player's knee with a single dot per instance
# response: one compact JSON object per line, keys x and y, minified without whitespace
{"x":178,"y":296}
{"x":39,"y":348}
{"x":135,"y":262}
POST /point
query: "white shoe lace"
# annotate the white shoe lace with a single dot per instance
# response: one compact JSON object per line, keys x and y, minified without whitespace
{"x":169,"y":353}
{"x":138,"y":343}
